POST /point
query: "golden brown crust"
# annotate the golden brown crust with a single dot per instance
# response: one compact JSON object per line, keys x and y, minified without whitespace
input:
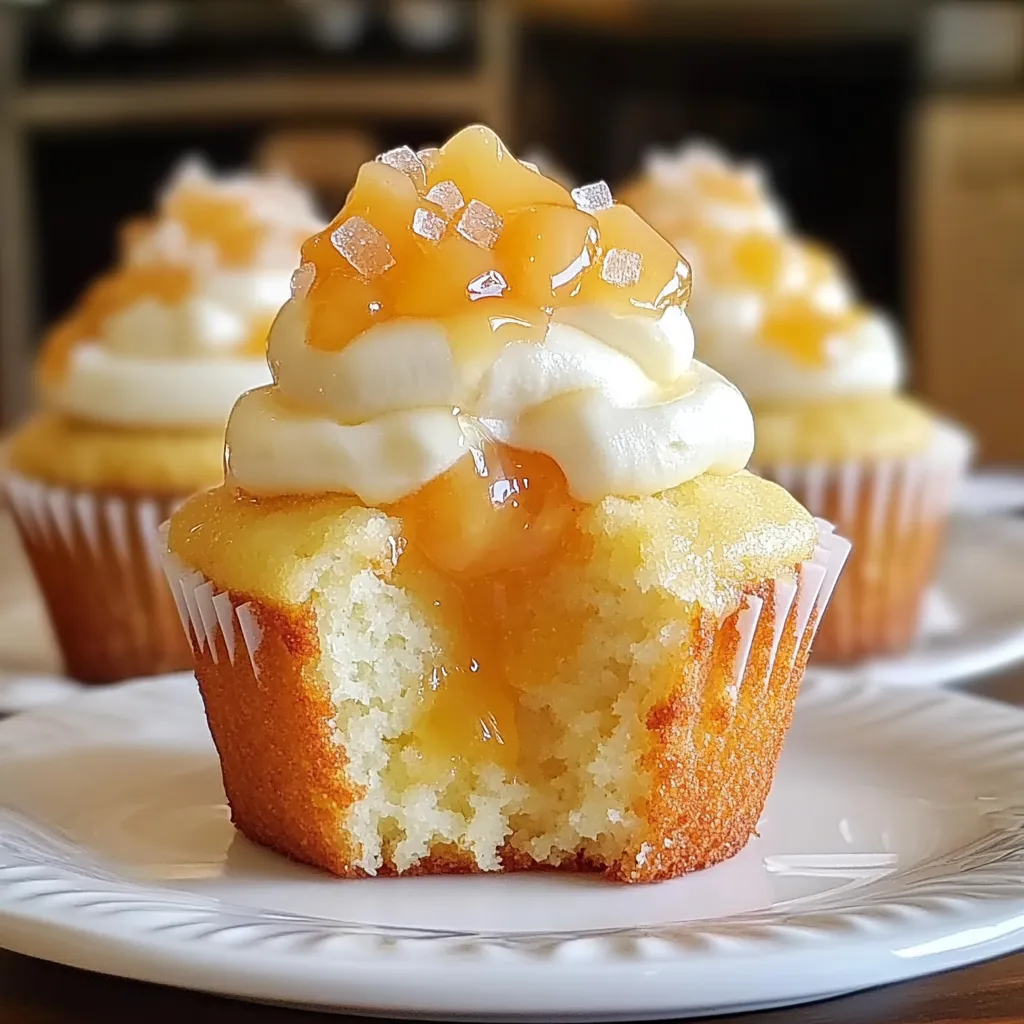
{"x":283,"y":773}
{"x":711,"y":760}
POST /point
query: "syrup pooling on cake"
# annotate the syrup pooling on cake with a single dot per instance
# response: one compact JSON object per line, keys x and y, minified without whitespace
{"x":476,"y":542}
{"x":483,"y":356}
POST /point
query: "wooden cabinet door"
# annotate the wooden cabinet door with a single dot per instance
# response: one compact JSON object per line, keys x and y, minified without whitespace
{"x":968,"y":266}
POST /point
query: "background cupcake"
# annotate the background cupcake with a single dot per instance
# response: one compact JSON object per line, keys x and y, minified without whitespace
{"x":136,"y":384}
{"x":778,"y":316}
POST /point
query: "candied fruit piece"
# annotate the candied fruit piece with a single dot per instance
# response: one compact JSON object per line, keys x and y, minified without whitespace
{"x":479,"y":224}
{"x":447,"y":195}
{"x":593,"y":197}
{"x":341,"y":307}
{"x":224,"y":222}
{"x":798,"y":327}
{"x":758,"y":259}
{"x":428,"y":224}
{"x":383,"y":194}
{"x":405,"y":160}
{"x":622,"y":267}
{"x":545,"y":250}
{"x":663,"y":277}
{"x":478,"y":162}
{"x":490,"y":285}
{"x":496,"y":509}
{"x":365,"y":248}
{"x":435,"y":282}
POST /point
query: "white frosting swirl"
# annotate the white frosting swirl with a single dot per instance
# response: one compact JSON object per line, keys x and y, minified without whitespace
{"x":162,"y":364}
{"x":106,"y":387}
{"x":860,"y":359}
{"x":617,"y":402}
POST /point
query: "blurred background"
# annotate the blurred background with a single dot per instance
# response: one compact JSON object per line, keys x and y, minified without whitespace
{"x":894,"y":130}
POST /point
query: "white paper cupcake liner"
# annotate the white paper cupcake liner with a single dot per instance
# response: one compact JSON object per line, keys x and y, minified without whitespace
{"x":889,"y":508}
{"x":97,"y":559}
{"x":217,"y":626}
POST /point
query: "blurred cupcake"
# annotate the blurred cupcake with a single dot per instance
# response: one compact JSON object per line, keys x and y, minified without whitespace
{"x":778,"y":316}
{"x":136,"y":384}
{"x":487,"y":587}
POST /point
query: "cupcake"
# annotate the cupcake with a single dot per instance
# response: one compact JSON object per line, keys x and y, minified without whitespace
{"x":136,"y":384}
{"x":487,"y":587}
{"x":779,"y":316}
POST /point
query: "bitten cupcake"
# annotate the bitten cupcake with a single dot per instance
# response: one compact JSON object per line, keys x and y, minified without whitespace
{"x":486,"y":587}
{"x":822,"y":371}
{"x":136,"y":384}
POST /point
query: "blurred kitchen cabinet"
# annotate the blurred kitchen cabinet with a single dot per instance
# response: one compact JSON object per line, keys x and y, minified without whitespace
{"x":968,"y":266}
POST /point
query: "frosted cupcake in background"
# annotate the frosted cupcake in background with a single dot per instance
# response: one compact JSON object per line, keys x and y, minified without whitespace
{"x":779,"y":317}
{"x":136,"y":383}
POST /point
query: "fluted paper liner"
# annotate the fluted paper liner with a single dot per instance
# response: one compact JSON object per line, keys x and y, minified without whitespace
{"x":895,"y":512}
{"x":208,"y":615}
{"x":97,"y":559}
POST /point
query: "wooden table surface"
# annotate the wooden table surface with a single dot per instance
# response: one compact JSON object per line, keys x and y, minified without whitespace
{"x":34,"y":992}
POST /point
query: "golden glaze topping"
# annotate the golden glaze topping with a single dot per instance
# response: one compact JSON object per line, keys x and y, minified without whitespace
{"x":467,"y":232}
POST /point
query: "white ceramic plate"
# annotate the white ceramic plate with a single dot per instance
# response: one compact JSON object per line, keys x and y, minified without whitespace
{"x":892,"y":846}
{"x":974,"y":619}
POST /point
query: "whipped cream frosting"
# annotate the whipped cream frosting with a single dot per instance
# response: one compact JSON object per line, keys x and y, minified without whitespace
{"x":617,"y":401}
{"x":713,"y":202}
{"x":859,"y":359}
{"x":158,"y":363}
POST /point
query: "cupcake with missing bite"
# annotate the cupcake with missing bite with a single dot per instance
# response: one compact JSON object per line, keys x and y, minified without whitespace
{"x":486,"y":587}
{"x":136,"y":384}
{"x":822,"y":371}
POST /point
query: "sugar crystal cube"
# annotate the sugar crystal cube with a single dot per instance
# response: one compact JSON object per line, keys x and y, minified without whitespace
{"x":428,"y":224}
{"x":593,"y":198}
{"x":480,"y":225}
{"x":365,"y":248}
{"x":622,"y":267}
{"x":406,"y":160}
{"x":487,"y":286}
{"x":447,"y":195}
{"x":429,"y":156}
{"x":302,"y":280}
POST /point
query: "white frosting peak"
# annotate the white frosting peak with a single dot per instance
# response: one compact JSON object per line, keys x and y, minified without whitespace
{"x":616,"y":401}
